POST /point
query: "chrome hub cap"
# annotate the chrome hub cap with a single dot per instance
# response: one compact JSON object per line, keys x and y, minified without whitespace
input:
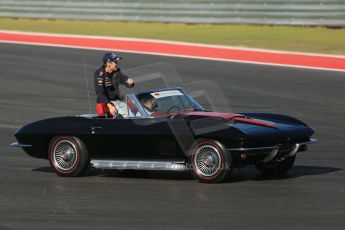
{"x":207,"y":160}
{"x":65,"y":155}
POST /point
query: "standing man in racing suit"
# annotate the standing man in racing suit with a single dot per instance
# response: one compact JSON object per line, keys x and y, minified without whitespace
{"x":107,"y":80}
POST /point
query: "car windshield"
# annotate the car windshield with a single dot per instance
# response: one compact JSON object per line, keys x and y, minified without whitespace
{"x":167,"y":101}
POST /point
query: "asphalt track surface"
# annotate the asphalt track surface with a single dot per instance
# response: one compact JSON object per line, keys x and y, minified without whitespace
{"x":39,"y":82}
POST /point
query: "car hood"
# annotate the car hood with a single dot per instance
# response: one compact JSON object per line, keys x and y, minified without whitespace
{"x":263,"y":127}
{"x":234,"y":117}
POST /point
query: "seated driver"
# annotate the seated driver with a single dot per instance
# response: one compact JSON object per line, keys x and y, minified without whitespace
{"x":149,"y":103}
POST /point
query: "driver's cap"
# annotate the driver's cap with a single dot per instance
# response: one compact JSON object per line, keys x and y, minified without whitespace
{"x":110,"y":57}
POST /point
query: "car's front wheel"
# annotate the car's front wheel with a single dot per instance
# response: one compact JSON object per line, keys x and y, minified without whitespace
{"x":210,"y":162}
{"x":276,"y":168}
{"x":68,"y":156}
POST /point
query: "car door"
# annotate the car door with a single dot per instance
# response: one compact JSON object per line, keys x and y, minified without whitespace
{"x":170,"y":137}
{"x":119,"y":138}
{"x":142,"y":138}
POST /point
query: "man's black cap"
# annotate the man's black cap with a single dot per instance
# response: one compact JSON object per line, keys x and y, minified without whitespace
{"x":110,"y":57}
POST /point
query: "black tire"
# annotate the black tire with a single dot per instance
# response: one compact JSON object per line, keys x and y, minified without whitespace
{"x":209,"y":161}
{"x":68,"y":156}
{"x":276,"y":168}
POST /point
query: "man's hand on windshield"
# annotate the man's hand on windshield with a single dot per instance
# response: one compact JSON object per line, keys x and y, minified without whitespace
{"x":112,"y":109}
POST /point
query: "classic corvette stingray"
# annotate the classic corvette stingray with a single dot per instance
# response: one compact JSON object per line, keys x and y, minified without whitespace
{"x":177,"y":133}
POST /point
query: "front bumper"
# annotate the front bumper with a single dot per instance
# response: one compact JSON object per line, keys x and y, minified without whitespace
{"x":268,"y":153}
{"x":18,"y":145}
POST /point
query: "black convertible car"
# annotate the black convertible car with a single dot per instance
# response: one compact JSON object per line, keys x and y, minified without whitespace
{"x":175,"y":133}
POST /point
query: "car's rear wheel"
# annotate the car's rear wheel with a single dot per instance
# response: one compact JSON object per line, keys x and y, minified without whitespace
{"x":210,"y":162}
{"x":68,"y":156}
{"x":276,"y":168}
